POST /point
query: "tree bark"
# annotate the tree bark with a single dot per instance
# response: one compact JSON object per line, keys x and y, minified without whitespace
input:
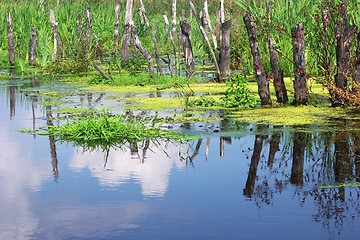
{"x":79,"y":26}
{"x":261,"y":79}
{"x":128,"y":25}
{"x":54,"y":26}
{"x":356,"y":81}
{"x":188,"y":53}
{"x":279,"y":85}
{"x":101,"y":71}
{"x":32,"y":47}
{"x":344,"y":37}
{"x":208,"y":25}
{"x":157,"y":56}
{"x":300,"y":85}
{"x":206,"y":38}
{"x":167,"y":25}
{"x":225,"y":50}
{"x":11,"y":47}
{"x":88,"y":31}
{"x":116,"y":28}
{"x":174,"y":22}
{"x":143,"y":51}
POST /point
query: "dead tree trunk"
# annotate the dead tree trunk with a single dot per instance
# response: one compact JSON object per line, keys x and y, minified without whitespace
{"x":225,"y":50}
{"x":300,"y":85}
{"x":344,"y":37}
{"x":88,"y":31}
{"x":79,"y":42}
{"x":101,"y":71}
{"x":11,"y":47}
{"x":356,"y":81}
{"x":279,"y":85}
{"x":174,"y":23}
{"x":157,"y":56}
{"x":116,"y":28}
{"x":343,"y":42}
{"x":32,"y":47}
{"x":167,"y":25}
{"x":128,"y":25}
{"x":54,"y":26}
{"x":143,"y":51}
{"x":188,"y":53}
{"x":79,"y":25}
{"x":261,"y":79}
{"x":206,"y":38}
{"x":208,"y":25}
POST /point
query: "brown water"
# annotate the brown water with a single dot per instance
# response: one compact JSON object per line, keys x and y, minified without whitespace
{"x":241,"y":181}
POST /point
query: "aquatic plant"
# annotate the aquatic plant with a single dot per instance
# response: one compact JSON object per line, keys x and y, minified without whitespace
{"x":105,"y":130}
{"x":238,"y":94}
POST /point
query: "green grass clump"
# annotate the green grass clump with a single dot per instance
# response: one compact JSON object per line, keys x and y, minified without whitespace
{"x":104,"y":130}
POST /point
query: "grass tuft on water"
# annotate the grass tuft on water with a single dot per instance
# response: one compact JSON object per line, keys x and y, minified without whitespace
{"x":104,"y":131}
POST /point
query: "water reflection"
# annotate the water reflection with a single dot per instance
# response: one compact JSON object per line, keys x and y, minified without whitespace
{"x":226,"y":182}
{"x":117,"y":166}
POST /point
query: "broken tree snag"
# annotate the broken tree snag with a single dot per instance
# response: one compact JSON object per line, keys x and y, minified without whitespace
{"x":167,"y":25}
{"x":279,"y":85}
{"x":88,"y":31}
{"x":206,"y":38}
{"x":79,"y":25}
{"x":225,"y":50}
{"x":208,"y":25}
{"x":32,"y":47}
{"x":11,"y":47}
{"x":356,"y":80}
{"x":344,"y":36}
{"x":157,"y":56}
{"x":143,"y":51}
{"x":54,"y":26}
{"x":261,"y":79}
{"x":188,"y":53}
{"x":101,"y":71}
{"x":222,"y":11}
{"x":128,"y":25}
{"x":300,"y":85}
{"x":174,"y":24}
{"x":116,"y":28}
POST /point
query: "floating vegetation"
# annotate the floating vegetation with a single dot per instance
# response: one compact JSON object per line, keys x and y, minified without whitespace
{"x":106,"y":131}
{"x":354,"y":184}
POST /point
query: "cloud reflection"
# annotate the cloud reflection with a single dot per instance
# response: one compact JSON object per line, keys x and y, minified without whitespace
{"x":151,"y":169}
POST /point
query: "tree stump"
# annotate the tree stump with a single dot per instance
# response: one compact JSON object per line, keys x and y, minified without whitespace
{"x":300,"y":85}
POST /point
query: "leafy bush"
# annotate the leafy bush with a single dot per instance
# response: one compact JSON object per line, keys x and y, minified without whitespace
{"x":203,"y":102}
{"x":238,"y":95}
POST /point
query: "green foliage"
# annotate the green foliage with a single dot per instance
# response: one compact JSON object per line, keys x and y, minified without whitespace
{"x":238,"y":94}
{"x":105,"y":131}
{"x":203,"y":102}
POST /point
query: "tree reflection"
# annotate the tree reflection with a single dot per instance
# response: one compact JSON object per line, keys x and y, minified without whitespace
{"x":53,"y":154}
{"x":250,"y":182}
{"x":297,"y":169}
{"x":318,"y":158}
{"x":12,"y":90}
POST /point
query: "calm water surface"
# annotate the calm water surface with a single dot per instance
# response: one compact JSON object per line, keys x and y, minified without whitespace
{"x":263,"y":183}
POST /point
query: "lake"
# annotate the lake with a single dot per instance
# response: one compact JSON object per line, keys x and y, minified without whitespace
{"x":240,"y":181}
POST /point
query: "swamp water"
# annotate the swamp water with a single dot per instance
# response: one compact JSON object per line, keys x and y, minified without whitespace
{"x":241,"y":181}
